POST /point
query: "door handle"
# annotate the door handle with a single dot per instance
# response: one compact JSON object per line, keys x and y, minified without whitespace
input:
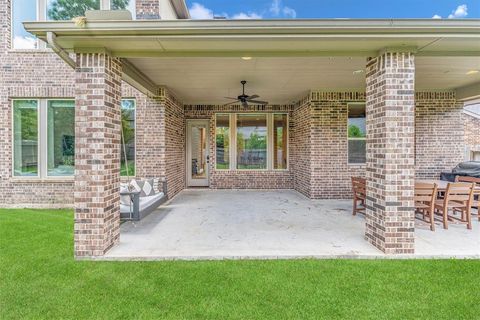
{"x":208,"y":159}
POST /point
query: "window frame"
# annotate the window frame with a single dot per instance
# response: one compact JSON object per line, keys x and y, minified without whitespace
{"x":134,"y":137}
{"x":26,"y":177}
{"x":42,"y":136}
{"x":233,"y":140}
{"x":355,"y":139}
{"x":41,"y":15}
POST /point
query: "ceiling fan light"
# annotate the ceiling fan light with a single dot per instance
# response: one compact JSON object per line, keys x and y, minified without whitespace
{"x":246,"y":58}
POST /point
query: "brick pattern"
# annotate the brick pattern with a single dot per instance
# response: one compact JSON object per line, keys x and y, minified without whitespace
{"x":174,"y":144}
{"x":390,"y":220}
{"x":330,"y":171}
{"x":472,"y":133}
{"x":147,"y":9}
{"x":439,"y":133}
{"x":244,"y":179}
{"x":301,"y":149}
{"x":97,"y":157}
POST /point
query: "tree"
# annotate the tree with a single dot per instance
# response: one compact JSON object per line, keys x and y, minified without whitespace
{"x":68,"y":9}
{"x":355,"y":132}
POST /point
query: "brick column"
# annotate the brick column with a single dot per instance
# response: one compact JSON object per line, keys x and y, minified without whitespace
{"x":390,"y":220}
{"x":97,"y":153}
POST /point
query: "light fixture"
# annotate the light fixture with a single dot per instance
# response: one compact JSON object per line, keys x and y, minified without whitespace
{"x":360,"y":71}
{"x":246,"y":58}
{"x":472,"y":72}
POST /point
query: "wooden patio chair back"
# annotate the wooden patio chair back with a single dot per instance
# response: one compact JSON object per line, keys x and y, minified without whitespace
{"x":476,"y":193}
{"x":359,"y":188}
{"x":425,"y":192}
{"x":425,"y":195}
{"x":458,"y":198}
{"x":460,"y":192}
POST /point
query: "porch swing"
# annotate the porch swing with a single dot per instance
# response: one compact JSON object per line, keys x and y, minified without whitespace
{"x":138,"y":198}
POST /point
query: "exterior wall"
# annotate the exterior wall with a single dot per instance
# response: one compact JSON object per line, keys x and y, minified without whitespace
{"x":174,"y":144}
{"x":330,"y":172}
{"x":243,"y":179}
{"x":42,"y":74}
{"x":472,"y":133}
{"x":301,"y":149}
{"x":147,"y":9}
{"x":439,"y":133}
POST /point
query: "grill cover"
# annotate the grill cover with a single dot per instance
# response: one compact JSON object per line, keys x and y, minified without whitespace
{"x":469,"y":168}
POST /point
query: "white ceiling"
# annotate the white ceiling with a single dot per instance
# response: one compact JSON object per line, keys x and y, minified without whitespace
{"x":206,"y":80}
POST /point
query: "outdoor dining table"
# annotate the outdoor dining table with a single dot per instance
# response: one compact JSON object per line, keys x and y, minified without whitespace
{"x":442,"y":185}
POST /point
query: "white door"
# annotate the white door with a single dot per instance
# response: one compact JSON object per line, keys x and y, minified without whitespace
{"x":197,"y":153}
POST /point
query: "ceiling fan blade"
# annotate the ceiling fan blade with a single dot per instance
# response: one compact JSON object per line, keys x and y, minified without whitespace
{"x":245,"y":104}
{"x":258,"y":101}
{"x":253,"y":97}
{"x":231,"y":98}
{"x":233,"y":102}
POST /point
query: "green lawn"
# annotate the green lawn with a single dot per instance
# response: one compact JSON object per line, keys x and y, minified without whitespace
{"x":40,"y":279}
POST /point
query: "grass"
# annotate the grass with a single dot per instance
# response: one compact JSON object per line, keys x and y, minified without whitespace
{"x":39,"y":279}
{"x":131,"y":169}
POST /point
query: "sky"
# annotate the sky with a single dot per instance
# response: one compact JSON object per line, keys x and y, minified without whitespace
{"x":25,"y":10}
{"x":286,"y":9}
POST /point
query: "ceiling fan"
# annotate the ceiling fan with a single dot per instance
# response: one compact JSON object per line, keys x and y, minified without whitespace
{"x":245,"y":99}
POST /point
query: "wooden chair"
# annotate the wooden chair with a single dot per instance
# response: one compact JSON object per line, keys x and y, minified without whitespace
{"x":359,"y":188}
{"x":425,"y":197}
{"x":476,"y":194}
{"x":458,"y":198}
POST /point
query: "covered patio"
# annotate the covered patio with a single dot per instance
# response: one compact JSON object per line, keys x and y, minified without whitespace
{"x":410,"y":76}
{"x":270,"y":224}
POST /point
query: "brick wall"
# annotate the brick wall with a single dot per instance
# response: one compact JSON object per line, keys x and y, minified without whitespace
{"x":42,"y":74}
{"x":472,"y":133}
{"x":301,"y":149}
{"x":174,"y":144}
{"x":439,"y":133}
{"x":329,"y":145}
{"x":244,"y":179}
{"x":147,"y":9}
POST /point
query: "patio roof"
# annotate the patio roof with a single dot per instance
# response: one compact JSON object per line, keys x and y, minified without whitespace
{"x":201,"y":60}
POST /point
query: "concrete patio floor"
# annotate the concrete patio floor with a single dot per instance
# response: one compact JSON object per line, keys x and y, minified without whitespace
{"x":259,"y":224}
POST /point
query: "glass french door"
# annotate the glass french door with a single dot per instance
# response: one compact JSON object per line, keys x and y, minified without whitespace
{"x":198,"y":155}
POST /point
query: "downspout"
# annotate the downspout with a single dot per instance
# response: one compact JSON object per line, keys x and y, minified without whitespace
{"x":51,"y":40}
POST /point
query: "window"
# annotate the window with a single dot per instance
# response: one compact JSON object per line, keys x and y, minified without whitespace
{"x":68,"y":9}
{"x":44,"y":138}
{"x":60,"y":138}
{"x":25,"y":138}
{"x":23,"y":10}
{"x":41,"y":10}
{"x":280,"y":141}
{"x":356,"y":134}
{"x":222,"y":141}
{"x":127,"y":167}
{"x":251,"y":141}
{"x":475,"y":156}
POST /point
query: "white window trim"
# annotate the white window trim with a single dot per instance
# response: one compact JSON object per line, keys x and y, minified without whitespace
{"x":42,"y":136}
{"x":353,"y":139}
{"x":270,"y":142}
{"x":41,"y":15}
